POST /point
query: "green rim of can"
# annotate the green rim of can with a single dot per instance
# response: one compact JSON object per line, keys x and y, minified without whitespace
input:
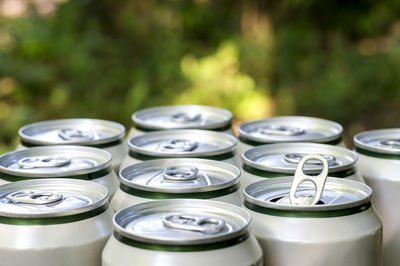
{"x":89,"y":176}
{"x":269,"y":174}
{"x":143,"y":157}
{"x":256,"y":143}
{"x":228,"y":126}
{"x":307,"y":214}
{"x":378,"y":155}
{"x":54,"y":220}
{"x":198,"y":195}
{"x":174,"y":248}
{"x":100,"y":146}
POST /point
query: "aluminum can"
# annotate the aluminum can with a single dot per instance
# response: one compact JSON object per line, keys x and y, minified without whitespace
{"x":178,"y":178}
{"x":308,"y":222}
{"x":181,"y":117}
{"x":281,"y":159}
{"x":379,"y":164}
{"x":63,"y":161}
{"x":182,"y":143}
{"x":103,"y":134}
{"x":180,"y":232}
{"x":51,"y":222}
{"x":288,"y":129}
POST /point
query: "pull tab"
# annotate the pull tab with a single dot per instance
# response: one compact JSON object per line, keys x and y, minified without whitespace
{"x":75,"y":134}
{"x":182,"y":117}
{"x":193,"y":222}
{"x":34,"y":197}
{"x":393,"y":143}
{"x":180,"y":173}
{"x":296,"y":157}
{"x":300,"y":177}
{"x":178,"y":145}
{"x":279,"y":130}
{"x":43,"y":161}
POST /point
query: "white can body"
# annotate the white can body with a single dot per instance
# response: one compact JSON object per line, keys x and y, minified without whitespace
{"x":346,"y":240}
{"x":245,"y":253}
{"x":77,"y":243}
{"x":122,"y":199}
{"x":382,"y":175}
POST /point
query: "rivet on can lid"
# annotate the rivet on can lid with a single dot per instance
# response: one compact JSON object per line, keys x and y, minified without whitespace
{"x":300,"y":177}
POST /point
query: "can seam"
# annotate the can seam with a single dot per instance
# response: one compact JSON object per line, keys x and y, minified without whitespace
{"x":100,"y":146}
{"x":144,"y":157}
{"x":256,"y":143}
{"x":377,"y":154}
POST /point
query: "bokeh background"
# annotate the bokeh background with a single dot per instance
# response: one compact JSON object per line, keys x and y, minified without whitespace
{"x":338,"y":60}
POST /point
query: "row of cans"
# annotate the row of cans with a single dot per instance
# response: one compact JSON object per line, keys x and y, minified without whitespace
{"x":155,"y":178}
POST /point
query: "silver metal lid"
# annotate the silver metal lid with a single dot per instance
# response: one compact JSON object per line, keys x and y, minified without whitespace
{"x":183,"y":143}
{"x":72,"y":131}
{"x":284,"y":157}
{"x":180,"y":175}
{"x":54,"y":161}
{"x":337,"y":194}
{"x":290,"y":129}
{"x":50,"y":198}
{"x":182,"y":222}
{"x":182,"y":116}
{"x":385,"y":141}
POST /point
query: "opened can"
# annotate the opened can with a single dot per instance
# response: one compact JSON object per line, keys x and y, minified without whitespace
{"x":314,"y":220}
{"x":64,"y":161}
{"x":182,"y":232}
{"x":178,"y":178}
{"x":281,"y":159}
{"x":182,"y":143}
{"x":51,"y":222}
{"x":96,"y":133}
{"x":181,"y":117}
{"x":288,"y":129}
{"x":379,"y":164}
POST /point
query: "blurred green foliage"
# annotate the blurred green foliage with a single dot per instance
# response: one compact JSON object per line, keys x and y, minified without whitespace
{"x":338,"y":60}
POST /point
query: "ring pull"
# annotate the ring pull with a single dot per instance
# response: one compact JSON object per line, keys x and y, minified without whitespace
{"x":193,"y":222}
{"x":36,"y":197}
{"x":75,"y":134}
{"x":393,"y":143}
{"x":296,"y":157}
{"x":280,"y":130}
{"x":300,"y":177}
{"x":43,"y":161}
{"x":178,"y":145}
{"x":182,"y":117}
{"x":180,"y":173}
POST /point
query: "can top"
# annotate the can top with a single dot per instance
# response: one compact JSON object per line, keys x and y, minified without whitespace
{"x":182,"y":116}
{"x":54,"y":161}
{"x":337,"y":194}
{"x":182,"y":222}
{"x":180,"y":175}
{"x":290,"y":129}
{"x":80,"y":131}
{"x":182,"y":143}
{"x":50,"y":198}
{"x":385,"y":141}
{"x":284,"y":157}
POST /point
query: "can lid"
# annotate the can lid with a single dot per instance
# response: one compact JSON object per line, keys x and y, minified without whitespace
{"x":284,"y":157}
{"x":72,"y":131}
{"x":385,"y":141}
{"x":50,"y":198}
{"x":290,"y":129}
{"x":183,"y":143}
{"x":54,"y":161}
{"x":180,"y":175}
{"x":337,"y":194}
{"x":182,"y":116}
{"x":182,"y":222}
